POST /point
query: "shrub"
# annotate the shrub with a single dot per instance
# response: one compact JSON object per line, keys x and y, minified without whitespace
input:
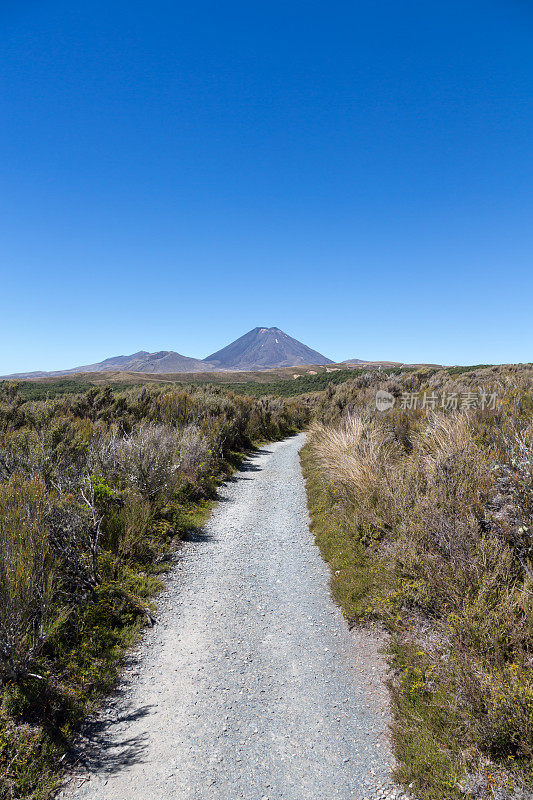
{"x":27,"y":577}
{"x":195,"y":456}
{"x":146,"y":460}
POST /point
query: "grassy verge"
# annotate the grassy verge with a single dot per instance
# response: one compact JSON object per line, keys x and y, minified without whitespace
{"x":354,"y":576}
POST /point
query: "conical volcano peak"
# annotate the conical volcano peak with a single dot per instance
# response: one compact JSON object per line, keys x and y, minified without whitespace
{"x":262,"y":348}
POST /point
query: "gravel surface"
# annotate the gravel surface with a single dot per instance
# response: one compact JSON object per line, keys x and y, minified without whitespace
{"x":250,"y":686}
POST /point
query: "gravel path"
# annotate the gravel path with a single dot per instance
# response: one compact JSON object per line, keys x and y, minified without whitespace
{"x":250,"y":686}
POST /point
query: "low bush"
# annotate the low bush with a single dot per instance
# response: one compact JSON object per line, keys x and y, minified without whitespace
{"x":27,"y":577}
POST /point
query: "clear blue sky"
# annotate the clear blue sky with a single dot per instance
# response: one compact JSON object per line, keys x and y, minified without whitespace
{"x":359,"y":174}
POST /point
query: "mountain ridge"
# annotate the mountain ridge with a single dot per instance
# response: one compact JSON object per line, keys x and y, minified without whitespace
{"x":142,"y":361}
{"x":260,"y":348}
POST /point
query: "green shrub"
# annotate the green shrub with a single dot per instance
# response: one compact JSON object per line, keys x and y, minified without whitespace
{"x":27,"y":577}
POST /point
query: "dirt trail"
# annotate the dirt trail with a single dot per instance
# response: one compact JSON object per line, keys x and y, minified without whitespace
{"x":251,"y":685}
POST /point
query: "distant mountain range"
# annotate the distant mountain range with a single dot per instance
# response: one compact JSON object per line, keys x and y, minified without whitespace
{"x":163,"y":361}
{"x":260,"y":348}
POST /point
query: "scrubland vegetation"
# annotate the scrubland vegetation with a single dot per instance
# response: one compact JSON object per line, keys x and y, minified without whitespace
{"x":96,"y":490}
{"x":254,"y":384}
{"x":426,"y":519}
{"x":425,"y":516}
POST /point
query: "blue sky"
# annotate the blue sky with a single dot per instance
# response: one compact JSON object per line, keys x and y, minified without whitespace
{"x":359,"y":174}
